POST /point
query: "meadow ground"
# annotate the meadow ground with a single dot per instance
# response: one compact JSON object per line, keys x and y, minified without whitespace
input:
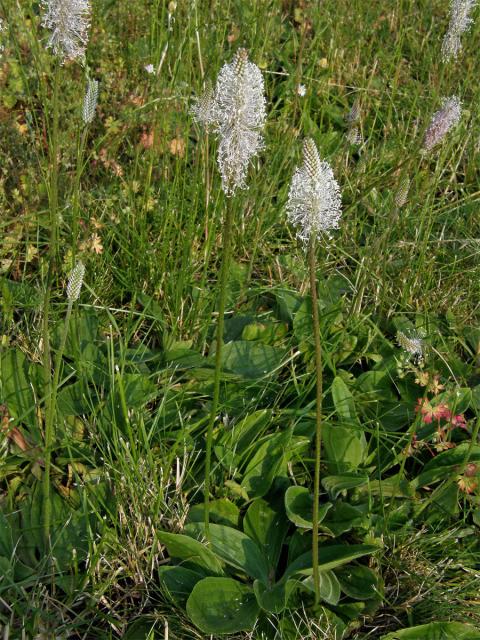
{"x":105,"y":400}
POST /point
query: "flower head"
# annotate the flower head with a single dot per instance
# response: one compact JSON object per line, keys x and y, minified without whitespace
{"x":402,"y":193}
{"x":460,"y":22}
{"x":412,"y":344}
{"x":203,"y":109}
{"x":442,"y":121}
{"x":236,"y":111}
{"x":68,"y":21}
{"x":314,"y":200}
{"x":90,"y":101}
{"x":75,"y":282}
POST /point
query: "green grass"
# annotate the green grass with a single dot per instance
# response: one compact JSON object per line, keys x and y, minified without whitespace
{"x":137,"y":377}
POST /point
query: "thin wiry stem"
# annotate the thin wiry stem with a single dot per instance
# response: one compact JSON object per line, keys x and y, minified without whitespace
{"x":227,"y":242}
{"x":319,"y":397}
{"x":47,"y":364}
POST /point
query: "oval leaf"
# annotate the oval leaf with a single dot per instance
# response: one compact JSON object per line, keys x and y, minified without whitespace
{"x":222,"y":605}
{"x":329,"y":587}
{"x":233,"y":546}
{"x":275,"y":598}
{"x":186,"y":548}
{"x":299,"y":507}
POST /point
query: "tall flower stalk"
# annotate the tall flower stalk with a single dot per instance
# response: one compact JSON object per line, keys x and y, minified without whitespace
{"x":74,"y":287}
{"x":235,"y":111}
{"x":314,"y":207}
{"x":68,"y":22}
{"x":88,"y":114}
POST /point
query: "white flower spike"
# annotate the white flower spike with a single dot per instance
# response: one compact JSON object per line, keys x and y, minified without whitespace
{"x":69,"y":22}
{"x":236,"y":111}
{"x":75,"y":282}
{"x":314,"y":200}
{"x":90,"y":101}
{"x":442,"y":121}
{"x":460,"y":22}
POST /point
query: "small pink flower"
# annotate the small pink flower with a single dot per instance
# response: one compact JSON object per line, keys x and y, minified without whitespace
{"x":442,"y":411}
{"x":458,"y":421}
{"x":430,"y":413}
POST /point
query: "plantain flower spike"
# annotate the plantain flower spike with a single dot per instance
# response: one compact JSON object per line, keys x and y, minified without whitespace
{"x":90,"y":101}
{"x":314,"y":201}
{"x":442,"y":121}
{"x":412,"y":344}
{"x":203,"y":109}
{"x":460,"y":22}
{"x":236,"y":111}
{"x":75,"y":282}
{"x":69,"y":22}
{"x":401,"y":196}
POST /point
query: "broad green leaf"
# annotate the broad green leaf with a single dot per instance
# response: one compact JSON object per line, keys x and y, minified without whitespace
{"x":345,"y":442}
{"x":267,"y":526}
{"x":16,"y":387}
{"x":222,"y":605}
{"x":251,"y":359}
{"x":287,"y":304}
{"x":335,"y":485}
{"x":359,"y":582}
{"x":299,"y":507}
{"x":345,"y":448}
{"x":344,"y":403}
{"x":343,"y":517}
{"x":234,"y":547}
{"x":178,"y":582}
{"x":436,"y":631}
{"x":71,"y":400}
{"x":266,"y":464}
{"x":329,"y":586}
{"x":184,"y":547}
{"x":329,"y":557}
{"x":221,"y":511}
{"x":247,"y":431}
{"x":273,"y":599}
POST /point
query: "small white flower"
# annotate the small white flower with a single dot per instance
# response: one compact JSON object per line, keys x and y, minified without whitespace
{"x":314,"y":200}
{"x":301,"y":90}
{"x":68,"y":21}
{"x":149,"y":68}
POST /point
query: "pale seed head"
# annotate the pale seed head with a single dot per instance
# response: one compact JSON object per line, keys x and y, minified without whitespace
{"x":402,"y":192}
{"x":442,"y":121}
{"x":460,"y":21}
{"x":69,"y":22}
{"x":90,"y":101}
{"x":75,"y":282}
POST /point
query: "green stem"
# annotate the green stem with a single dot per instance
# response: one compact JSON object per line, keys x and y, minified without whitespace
{"x":76,"y":193}
{"x":47,"y":365}
{"x":318,"y":430}
{"x":227,"y":237}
